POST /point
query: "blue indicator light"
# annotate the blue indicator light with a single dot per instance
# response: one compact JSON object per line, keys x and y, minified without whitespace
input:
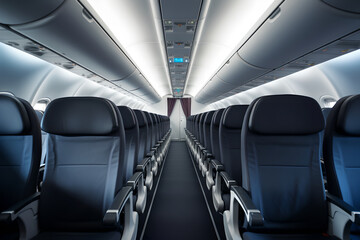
{"x":178,"y":60}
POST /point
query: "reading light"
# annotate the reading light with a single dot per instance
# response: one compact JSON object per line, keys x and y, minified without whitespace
{"x":223,"y":27}
{"x":137,"y":28}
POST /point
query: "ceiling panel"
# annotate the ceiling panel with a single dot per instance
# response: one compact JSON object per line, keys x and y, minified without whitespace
{"x":179,"y":24}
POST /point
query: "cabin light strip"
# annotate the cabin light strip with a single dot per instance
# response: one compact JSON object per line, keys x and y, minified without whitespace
{"x":221,"y":34}
{"x":136,"y":27}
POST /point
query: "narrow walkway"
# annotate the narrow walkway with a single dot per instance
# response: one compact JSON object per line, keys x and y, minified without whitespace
{"x":179,"y":210}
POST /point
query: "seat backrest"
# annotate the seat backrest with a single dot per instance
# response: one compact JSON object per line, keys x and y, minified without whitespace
{"x":154,"y":129}
{"x":150,"y":131}
{"x":191,"y":124}
{"x":161,"y":124}
{"x":20,"y":150}
{"x":143,"y":134}
{"x":325,"y":112}
{"x":201,"y":128}
{"x":84,"y":163}
{"x":341,"y":150}
{"x":159,"y":127}
{"x":280,"y":144}
{"x":230,"y":140}
{"x":131,"y":128}
{"x":206,"y":126}
{"x":40,"y":115}
{"x":214,"y":133}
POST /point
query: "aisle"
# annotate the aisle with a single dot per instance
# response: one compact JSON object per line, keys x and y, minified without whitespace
{"x":179,"y":210}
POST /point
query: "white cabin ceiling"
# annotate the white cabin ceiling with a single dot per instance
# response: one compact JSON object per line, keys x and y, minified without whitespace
{"x":207,"y":49}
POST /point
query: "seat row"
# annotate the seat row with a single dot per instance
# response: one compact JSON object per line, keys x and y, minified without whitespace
{"x":99,"y":160}
{"x":262,"y":163}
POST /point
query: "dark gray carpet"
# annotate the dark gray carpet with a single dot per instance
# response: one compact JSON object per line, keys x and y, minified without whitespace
{"x":179,"y":210}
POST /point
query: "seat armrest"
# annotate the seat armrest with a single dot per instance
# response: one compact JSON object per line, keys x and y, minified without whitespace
{"x":142,"y":166}
{"x":227,"y":179}
{"x":11,"y":213}
{"x":217,"y":165}
{"x":40,"y":176}
{"x":253,"y":215}
{"x":133,"y":181}
{"x":112,"y":215}
{"x":353,"y":214}
{"x":209,"y":155}
{"x":150,"y":154}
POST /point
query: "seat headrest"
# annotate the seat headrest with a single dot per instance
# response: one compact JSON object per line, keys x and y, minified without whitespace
{"x":14,"y":118}
{"x":217,"y":117}
{"x":208,"y":117}
{"x":81,"y":116}
{"x":127,"y":116}
{"x":140,"y":118}
{"x":234,"y":116}
{"x":285,"y":115}
{"x":349,"y":116}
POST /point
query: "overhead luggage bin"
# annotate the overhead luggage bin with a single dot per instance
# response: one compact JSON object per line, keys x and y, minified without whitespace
{"x":239,"y":72}
{"x":20,"y":12}
{"x":72,"y":32}
{"x":233,"y":74}
{"x":295,"y":29}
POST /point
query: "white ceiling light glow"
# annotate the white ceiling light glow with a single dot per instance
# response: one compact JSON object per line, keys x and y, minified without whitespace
{"x":223,"y":27}
{"x":136,"y":27}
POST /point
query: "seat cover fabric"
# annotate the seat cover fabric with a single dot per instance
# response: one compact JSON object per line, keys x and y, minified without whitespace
{"x":230,"y":140}
{"x":281,"y":166}
{"x":207,"y":124}
{"x":341,"y":151}
{"x":83,"y":171}
{"x":143,"y":134}
{"x":150,"y":131}
{"x":131,"y":127}
{"x":201,"y":128}
{"x":20,"y":150}
{"x":214,"y":132}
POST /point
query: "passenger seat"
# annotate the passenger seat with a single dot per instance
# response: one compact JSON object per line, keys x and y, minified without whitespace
{"x":342,"y":163}
{"x":282,"y":194}
{"x":20,"y":153}
{"x":136,"y":178}
{"x":229,"y":172}
{"x":83,"y":195}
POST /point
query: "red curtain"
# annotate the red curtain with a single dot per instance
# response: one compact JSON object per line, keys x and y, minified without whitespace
{"x":171,"y":104}
{"x":186,"y":106}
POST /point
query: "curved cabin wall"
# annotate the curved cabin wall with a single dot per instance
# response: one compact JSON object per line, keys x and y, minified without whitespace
{"x":295,"y":29}
{"x":336,"y":78}
{"x":32,"y":79}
